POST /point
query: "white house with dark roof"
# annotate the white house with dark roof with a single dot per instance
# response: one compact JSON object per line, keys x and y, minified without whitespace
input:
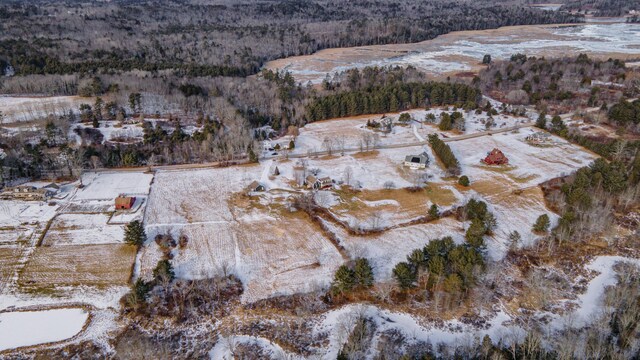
{"x":420,"y":161}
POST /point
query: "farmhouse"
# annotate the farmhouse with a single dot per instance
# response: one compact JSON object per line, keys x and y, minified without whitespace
{"x":267,"y":145}
{"x":495,"y":157}
{"x":255,"y":187}
{"x":124,"y":202}
{"x":26,"y":193}
{"x":417,"y":161}
{"x":318,"y":183}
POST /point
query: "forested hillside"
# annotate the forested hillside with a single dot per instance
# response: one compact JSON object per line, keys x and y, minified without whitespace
{"x":225,"y":37}
{"x":602,"y":7}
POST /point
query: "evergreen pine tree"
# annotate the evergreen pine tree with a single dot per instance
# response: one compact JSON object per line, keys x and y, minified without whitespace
{"x":434,"y":212}
{"x":363,"y":273}
{"x":134,"y":233}
{"x":542,"y":223}
{"x":164,"y":271}
{"x":344,"y":280}
{"x":542,"y":121}
{"x":405,"y":275}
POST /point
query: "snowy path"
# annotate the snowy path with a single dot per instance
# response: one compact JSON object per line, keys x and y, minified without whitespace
{"x":591,"y":301}
{"x":415,"y":132}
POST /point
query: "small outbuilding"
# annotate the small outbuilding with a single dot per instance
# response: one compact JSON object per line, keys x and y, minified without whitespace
{"x":255,"y":186}
{"x":124,"y":202}
{"x":495,"y":157}
{"x":420,"y":161}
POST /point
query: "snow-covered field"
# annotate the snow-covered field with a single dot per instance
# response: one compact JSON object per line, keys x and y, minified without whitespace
{"x":19,"y":109}
{"x":26,"y":328}
{"x":511,"y":190}
{"x":463,"y":51}
{"x":14,"y":213}
{"x":270,"y":257}
{"x":79,"y":229}
{"x":107,"y":186}
{"x":112,"y":132}
{"x":81,"y":258}
{"x":347,"y":133}
{"x":385,"y":250}
{"x":528,"y":165}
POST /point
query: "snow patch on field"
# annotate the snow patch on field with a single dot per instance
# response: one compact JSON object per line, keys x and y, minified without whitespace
{"x":78,"y":229}
{"x":25,"y":328}
{"x":528,"y":165}
{"x":19,"y":109}
{"x":225,"y":347}
{"x":14,"y":213}
{"x":107,"y":186}
{"x":387,"y":249}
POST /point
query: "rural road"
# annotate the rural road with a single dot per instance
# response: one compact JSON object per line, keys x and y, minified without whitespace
{"x":407,"y":144}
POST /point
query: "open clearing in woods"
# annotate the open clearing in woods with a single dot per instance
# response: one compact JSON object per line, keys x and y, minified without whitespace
{"x":21,"y":109}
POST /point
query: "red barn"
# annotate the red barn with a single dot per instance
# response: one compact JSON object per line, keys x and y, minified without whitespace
{"x":495,"y":157}
{"x":125,"y":202}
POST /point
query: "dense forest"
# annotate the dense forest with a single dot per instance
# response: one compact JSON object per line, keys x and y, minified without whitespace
{"x":562,"y":84}
{"x":392,"y":99}
{"x":224,"y":38}
{"x":602,"y":7}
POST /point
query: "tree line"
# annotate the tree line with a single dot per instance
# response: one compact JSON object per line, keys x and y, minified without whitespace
{"x":392,"y":98}
{"x":444,"y":153}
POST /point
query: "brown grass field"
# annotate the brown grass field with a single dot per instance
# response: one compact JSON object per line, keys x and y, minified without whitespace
{"x":412,"y":204}
{"x":74,"y":265}
{"x":8,"y":262}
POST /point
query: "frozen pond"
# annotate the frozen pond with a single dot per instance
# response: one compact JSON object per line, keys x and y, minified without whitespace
{"x":26,"y":328}
{"x":463,"y":51}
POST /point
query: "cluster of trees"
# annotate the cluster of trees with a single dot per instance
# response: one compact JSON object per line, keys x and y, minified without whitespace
{"x":393,"y":98}
{"x":560,"y":82}
{"x":556,"y":126}
{"x":448,"y":122}
{"x":625,"y":113}
{"x":134,"y":233}
{"x":441,"y":265}
{"x":29,"y":60}
{"x":593,"y":194}
{"x":354,"y":276}
{"x":444,"y":153}
{"x":482,"y":223}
